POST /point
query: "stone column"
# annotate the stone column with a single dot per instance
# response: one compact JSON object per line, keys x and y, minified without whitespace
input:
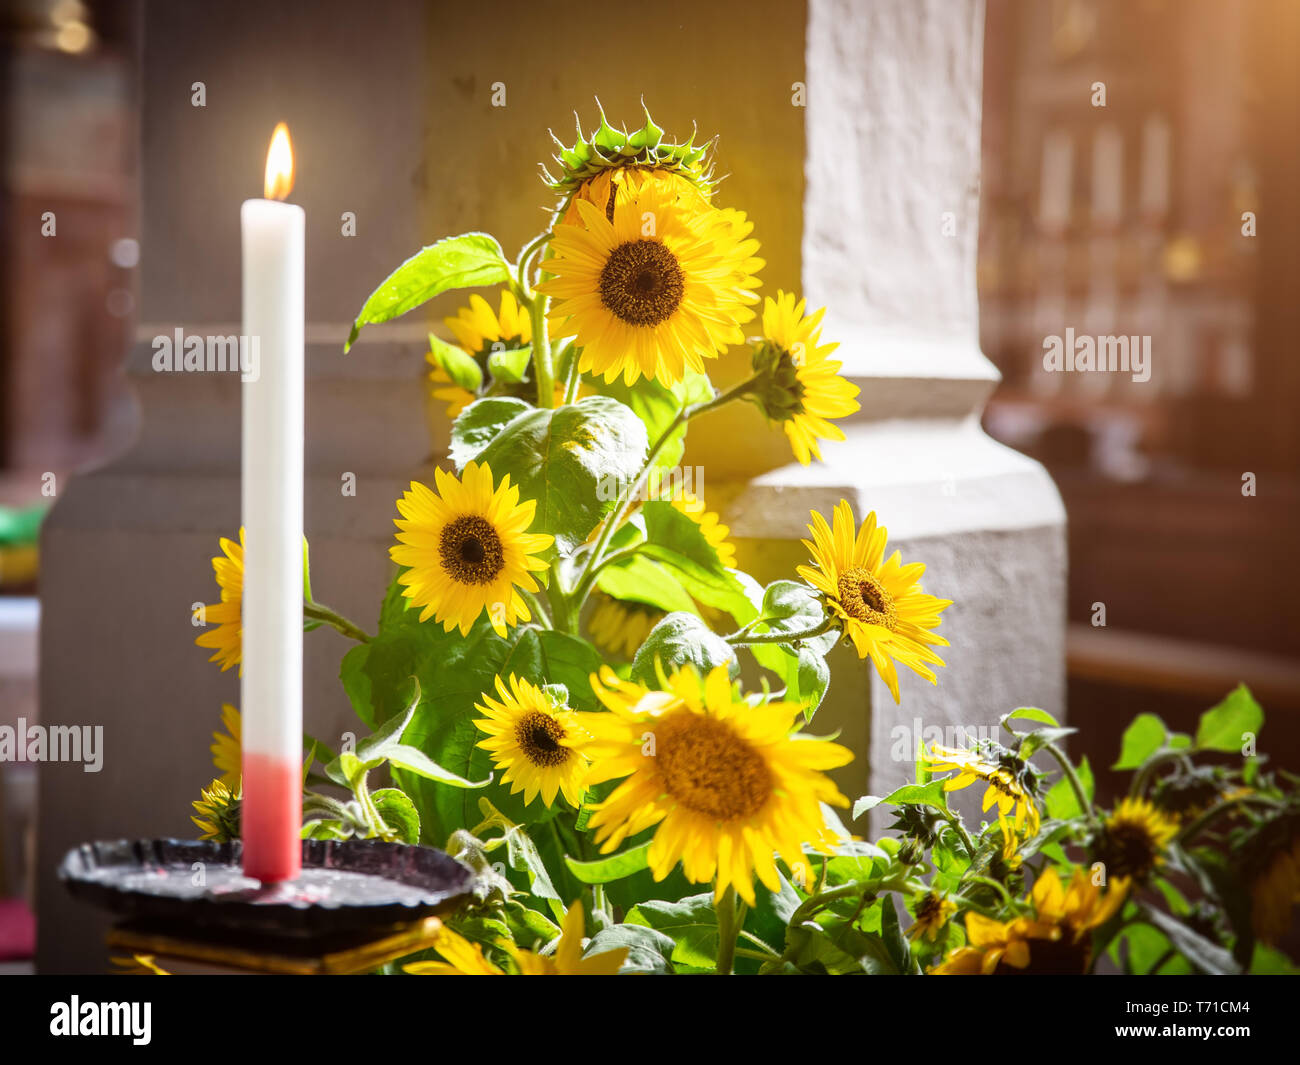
{"x":889,"y":240}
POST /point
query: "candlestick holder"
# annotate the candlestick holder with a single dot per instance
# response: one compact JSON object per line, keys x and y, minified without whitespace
{"x":346,"y":886}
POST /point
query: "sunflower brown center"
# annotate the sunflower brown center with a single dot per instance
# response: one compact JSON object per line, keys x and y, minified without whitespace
{"x":642,"y":282}
{"x":539,"y":736}
{"x":470,"y":550}
{"x":710,"y":769}
{"x":863,"y":597}
{"x":1128,"y":850}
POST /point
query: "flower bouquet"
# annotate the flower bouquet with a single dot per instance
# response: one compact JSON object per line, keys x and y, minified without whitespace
{"x":575,"y":690}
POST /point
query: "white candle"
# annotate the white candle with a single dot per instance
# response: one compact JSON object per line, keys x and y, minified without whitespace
{"x":271,"y":684}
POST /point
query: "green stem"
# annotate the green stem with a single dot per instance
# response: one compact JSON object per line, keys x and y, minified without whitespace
{"x":740,"y":639}
{"x":728,"y":927}
{"x":540,"y":615}
{"x":574,"y":381}
{"x":1215,"y":811}
{"x":988,"y":881}
{"x":616,"y":516}
{"x":542,"y":364}
{"x":1085,"y":803}
{"x":320,"y":612}
{"x":954,"y":819}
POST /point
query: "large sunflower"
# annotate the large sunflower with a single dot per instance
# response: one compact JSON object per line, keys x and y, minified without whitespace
{"x":462,"y":958}
{"x":227,"y":638}
{"x":1057,"y":938}
{"x":466,"y":549}
{"x":878,"y":603}
{"x":656,"y":290}
{"x":725,"y":781}
{"x":538,"y":744}
{"x":798,"y":384}
{"x":1133,"y":838}
{"x":1011,"y":782}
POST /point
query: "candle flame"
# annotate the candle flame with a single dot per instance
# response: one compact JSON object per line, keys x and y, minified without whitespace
{"x":279,"y":164}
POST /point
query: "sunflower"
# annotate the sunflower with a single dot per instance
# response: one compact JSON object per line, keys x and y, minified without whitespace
{"x":227,"y":638}
{"x":879,"y":604}
{"x":1274,"y":883}
{"x":654,"y":291}
{"x":463,"y":958}
{"x":932,"y":913}
{"x":465,"y":549}
{"x":1012,"y":783}
{"x":479,"y":331}
{"x":725,"y":781}
{"x":538,"y":744}
{"x":226,"y":749}
{"x":796,"y":383}
{"x":608,"y":187}
{"x":1133,"y":838}
{"x":619,"y":626}
{"x":1056,"y":939}
{"x":218,"y":812}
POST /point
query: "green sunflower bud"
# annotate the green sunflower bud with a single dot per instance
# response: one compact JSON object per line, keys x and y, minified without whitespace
{"x":607,"y":148}
{"x":776,"y":389}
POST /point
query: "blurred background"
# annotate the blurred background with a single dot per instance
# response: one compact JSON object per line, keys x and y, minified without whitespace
{"x":1095,"y":217}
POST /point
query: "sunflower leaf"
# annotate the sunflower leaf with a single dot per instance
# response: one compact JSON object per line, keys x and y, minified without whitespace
{"x":399,"y":813}
{"x":479,"y":423}
{"x":459,"y":365}
{"x":572,"y":460}
{"x":510,"y":364}
{"x":681,"y":639}
{"x":467,"y":261}
{"x":615,"y":867}
{"x":1225,"y":727}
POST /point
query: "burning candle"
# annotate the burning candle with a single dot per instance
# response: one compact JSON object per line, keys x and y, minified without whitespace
{"x":272,"y":475}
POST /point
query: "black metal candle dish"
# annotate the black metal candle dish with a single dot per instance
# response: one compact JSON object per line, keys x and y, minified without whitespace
{"x":346,"y":886}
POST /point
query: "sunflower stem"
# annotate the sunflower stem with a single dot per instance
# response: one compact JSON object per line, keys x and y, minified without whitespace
{"x":542,"y":366}
{"x":540,"y":614}
{"x":1085,"y":803}
{"x":574,"y":380}
{"x":741,"y":638}
{"x":1214,"y":812}
{"x":728,"y":929}
{"x":629,"y":492}
{"x":320,"y":612}
{"x":954,"y":819}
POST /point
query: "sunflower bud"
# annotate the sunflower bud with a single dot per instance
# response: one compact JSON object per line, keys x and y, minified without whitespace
{"x":776,"y":389}
{"x":608,"y":148}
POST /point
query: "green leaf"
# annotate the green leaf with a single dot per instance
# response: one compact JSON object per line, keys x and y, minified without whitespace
{"x":789,"y":606}
{"x":567,"y":459}
{"x":1061,"y":801}
{"x":414,"y":760}
{"x":510,"y":364}
{"x":690,"y":923}
{"x":1032,"y":713}
{"x":1223,"y":727}
{"x":677,"y":640}
{"x":467,"y":261}
{"x":479,"y":423}
{"x":931,"y":794}
{"x":1207,"y":956}
{"x":676,"y":541}
{"x":459,"y":364}
{"x":615,"y":867}
{"x":1142,"y":738}
{"x":648,"y":950}
{"x":522,"y":855}
{"x":399,"y":813}
{"x":657,"y":405}
{"x":642,"y":581}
